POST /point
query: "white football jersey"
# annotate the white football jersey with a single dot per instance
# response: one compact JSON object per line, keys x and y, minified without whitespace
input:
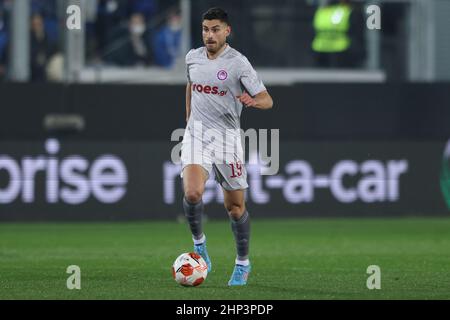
{"x":215,"y":86}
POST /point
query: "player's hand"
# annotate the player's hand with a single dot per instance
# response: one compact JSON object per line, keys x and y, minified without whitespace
{"x":247,"y":100}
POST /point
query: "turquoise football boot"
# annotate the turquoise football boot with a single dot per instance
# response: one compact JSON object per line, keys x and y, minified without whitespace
{"x":201,"y":250}
{"x":240,"y":275}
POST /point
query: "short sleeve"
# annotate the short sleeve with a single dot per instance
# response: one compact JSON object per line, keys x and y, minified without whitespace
{"x":187,"y":74}
{"x":250,"y":79}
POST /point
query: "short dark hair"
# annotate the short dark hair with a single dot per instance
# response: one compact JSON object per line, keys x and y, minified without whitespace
{"x":216,"y":14}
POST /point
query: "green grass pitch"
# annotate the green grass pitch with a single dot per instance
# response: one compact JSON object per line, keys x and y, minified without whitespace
{"x":292,"y":259}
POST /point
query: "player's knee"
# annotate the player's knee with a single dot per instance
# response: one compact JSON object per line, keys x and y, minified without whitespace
{"x":193,"y":196}
{"x":235,"y":211}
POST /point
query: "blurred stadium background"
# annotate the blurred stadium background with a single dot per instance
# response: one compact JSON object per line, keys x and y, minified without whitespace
{"x":86,"y":118}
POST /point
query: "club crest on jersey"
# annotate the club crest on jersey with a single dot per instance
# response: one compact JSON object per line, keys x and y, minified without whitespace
{"x":222,"y":75}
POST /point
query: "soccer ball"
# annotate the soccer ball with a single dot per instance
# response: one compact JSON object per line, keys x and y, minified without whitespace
{"x":189,"y":269}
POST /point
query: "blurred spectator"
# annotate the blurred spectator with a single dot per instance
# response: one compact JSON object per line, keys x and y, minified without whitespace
{"x":91,"y":11}
{"x":44,"y":7}
{"x":41,"y":48}
{"x":106,"y":24}
{"x":339,"y":28}
{"x":55,"y":68}
{"x":146,"y":7}
{"x":47,"y":9}
{"x":132,"y":46}
{"x":167,"y":41}
{"x":110,"y":13}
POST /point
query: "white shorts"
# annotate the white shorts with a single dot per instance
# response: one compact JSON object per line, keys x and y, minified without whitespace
{"x":229,"y":170}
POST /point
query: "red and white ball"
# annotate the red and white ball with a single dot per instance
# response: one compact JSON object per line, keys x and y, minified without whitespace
{"x":189,"y":269}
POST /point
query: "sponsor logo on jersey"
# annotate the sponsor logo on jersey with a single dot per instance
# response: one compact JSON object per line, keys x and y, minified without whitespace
{"x":208,"y":89}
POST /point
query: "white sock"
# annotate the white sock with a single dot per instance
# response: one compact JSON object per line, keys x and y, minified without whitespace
{"x":244,"y":263}
{"x":199,"y":241}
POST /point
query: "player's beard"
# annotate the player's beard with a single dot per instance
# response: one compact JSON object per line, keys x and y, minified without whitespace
{"x":219,"y":47}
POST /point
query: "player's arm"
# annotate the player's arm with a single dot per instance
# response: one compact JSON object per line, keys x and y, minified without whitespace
{"x":188,"y":101}
{"x":262,"y":100}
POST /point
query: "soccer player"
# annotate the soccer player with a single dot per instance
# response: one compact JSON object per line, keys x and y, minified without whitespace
{"x":220,"y":81}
